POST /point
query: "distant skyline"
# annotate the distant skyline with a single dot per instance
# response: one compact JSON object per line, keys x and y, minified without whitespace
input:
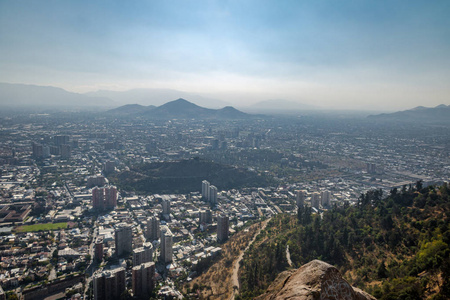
{"x":383,"y":55}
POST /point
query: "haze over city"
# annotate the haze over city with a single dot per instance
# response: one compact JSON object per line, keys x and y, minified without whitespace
{"x":348,"y":55}
{"x":225,"y":150}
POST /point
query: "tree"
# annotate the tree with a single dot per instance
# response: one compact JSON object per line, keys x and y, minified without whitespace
{"x":419,"y":185}
{"x":382,"y":272}
{"x":55,"y":255}
{"x":11,"y":296}
{"x":300,"y":212}
{"x":125,"y":295}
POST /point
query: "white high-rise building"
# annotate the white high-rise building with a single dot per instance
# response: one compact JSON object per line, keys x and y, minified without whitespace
{"x":212,"y":194}
{"x":205,"y":190}
{"x":166,"y":244}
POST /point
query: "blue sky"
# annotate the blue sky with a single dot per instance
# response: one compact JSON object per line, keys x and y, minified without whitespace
{"x":338,"y":54}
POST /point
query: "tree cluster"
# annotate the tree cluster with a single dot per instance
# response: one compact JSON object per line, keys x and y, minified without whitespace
{"x":401,"y":240}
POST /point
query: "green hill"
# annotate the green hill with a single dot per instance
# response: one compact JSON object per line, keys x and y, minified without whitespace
{"x":186,"y":176}
{"x":394,"y":247}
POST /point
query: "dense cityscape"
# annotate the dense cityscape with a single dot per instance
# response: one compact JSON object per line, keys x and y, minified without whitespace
{"x":72,"y":228}
{"x":224,"y":150}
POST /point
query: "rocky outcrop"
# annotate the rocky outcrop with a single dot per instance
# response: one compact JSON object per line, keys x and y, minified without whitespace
{"x":313,"y":281}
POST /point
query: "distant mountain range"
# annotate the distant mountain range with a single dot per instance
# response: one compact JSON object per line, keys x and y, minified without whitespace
{"x":179,"y":109}
{"x":156,"y":97}
{"x":279,"y":106}
{"x":48,"y":98}
{"x":440,"y":113}
{"x":34,"y":96}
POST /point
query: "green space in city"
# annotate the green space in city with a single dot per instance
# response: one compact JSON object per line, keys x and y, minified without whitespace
{"x":43,"y":227}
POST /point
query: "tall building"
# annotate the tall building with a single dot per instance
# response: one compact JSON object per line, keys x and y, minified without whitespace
{"x":143,"y":254}
{"x":212,"y":194}
{"x":153,"y":230}
{"x":166,"y":206}
{"x":371,"y":168}
{"x":300,"y":198}
{"x":46,"y":151}
{"x":98,"y":250}
{"x":65,"y":151}
{"x":109,"y":167}
{"x":98,"y":199}
{"x":37,"y":149}
{"x":142,"y":280}
{"x":166,"y":209}
{"x":109,"y":284}
{"x":110,"y":197}
{"x":325,"y":198}
{"x":54,"y":150}
{"x":205,"y":216}
{"x":74,"y":144}
{"x":166,"y":244}
{"x":123,"y":239}
{"x":223,"y":224}
{"x":205,"y":190}
{"x":315,"y":200}
{"x":104,"y":197}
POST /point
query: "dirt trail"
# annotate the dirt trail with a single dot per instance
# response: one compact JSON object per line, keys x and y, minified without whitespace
{"x":235,"y":278}
{"x":288,"y":256}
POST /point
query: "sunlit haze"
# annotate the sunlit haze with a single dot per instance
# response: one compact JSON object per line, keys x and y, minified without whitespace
{"x":334,"y":54}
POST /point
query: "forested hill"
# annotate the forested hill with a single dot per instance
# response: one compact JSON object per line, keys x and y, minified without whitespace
{"x":186,"y":176}
{"x":394,"y":247}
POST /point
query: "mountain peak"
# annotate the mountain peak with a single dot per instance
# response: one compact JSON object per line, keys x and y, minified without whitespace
{"x":230,"y":108}
{"x":441,"y":106}
{"x":179,"y":105}
{"x":181,"y":100}
{"x":181,"y":109}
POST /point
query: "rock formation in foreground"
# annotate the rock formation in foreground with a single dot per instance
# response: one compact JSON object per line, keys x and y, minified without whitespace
{"x":315,"y":280}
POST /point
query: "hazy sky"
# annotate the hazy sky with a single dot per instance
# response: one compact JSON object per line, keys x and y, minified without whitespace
{"x":349,"y":54}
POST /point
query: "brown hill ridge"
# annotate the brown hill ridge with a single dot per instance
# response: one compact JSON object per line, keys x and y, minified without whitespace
{"x":315,"y":280}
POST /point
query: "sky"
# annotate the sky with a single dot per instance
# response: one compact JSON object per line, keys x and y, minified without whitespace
{"x":336,"y":54}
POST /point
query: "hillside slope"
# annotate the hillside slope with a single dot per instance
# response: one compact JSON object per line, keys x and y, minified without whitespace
{"x":420,"y":114}
{"x":394,"y":247}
